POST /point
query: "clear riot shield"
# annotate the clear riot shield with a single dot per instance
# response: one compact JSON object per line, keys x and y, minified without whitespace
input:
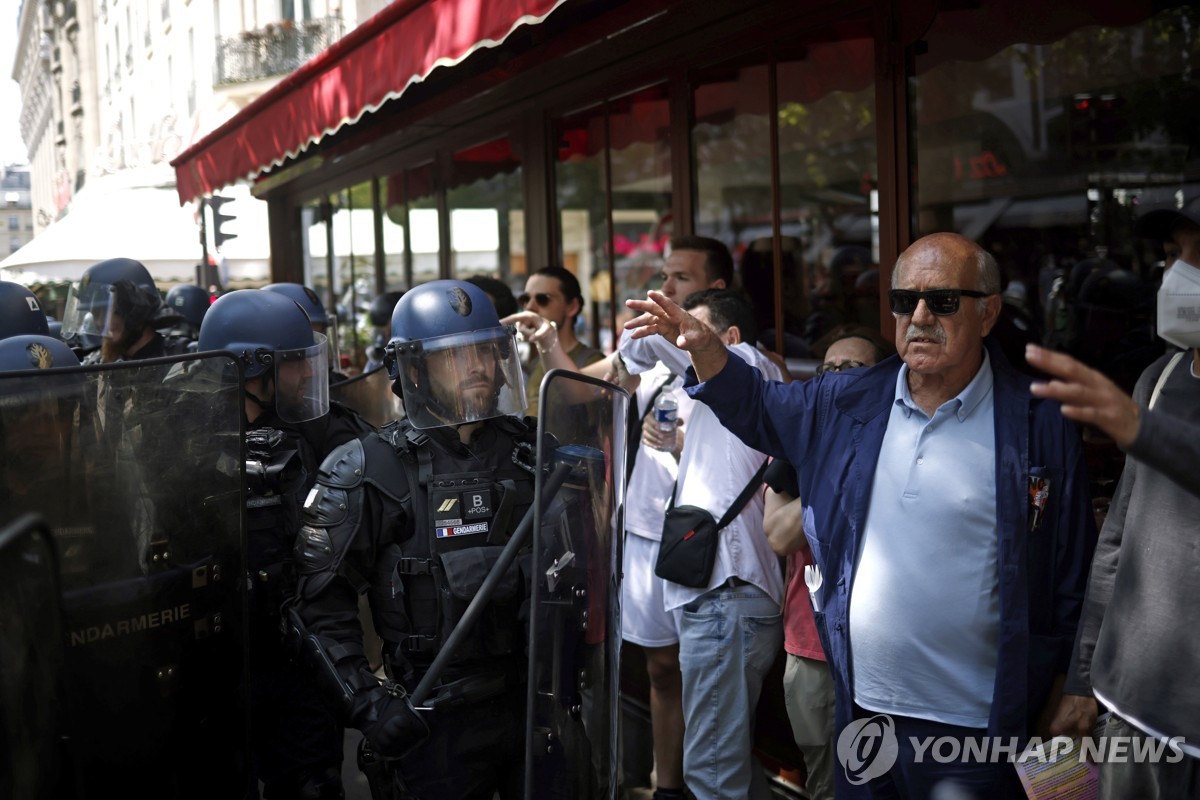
{"x":32,"y":702}
{"x":575,"y":624}
{"x":370,"y":394}
{"x":137,"y":468}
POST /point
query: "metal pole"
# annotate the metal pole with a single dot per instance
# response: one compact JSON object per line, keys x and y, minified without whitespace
{"x":484,"y":596}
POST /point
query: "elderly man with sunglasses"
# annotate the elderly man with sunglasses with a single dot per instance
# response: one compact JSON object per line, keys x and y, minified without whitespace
{"x":951,"y":590}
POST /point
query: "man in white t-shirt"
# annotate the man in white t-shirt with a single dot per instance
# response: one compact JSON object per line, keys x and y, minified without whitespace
{"x":730,"y":631}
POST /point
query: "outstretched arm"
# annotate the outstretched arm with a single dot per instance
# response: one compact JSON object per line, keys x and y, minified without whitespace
{"x":659,"y":314}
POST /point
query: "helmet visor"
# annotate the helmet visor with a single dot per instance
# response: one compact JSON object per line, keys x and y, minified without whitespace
{"x":302,"y":382}
{"x":89,"y":311}
{"x":460,"y":378}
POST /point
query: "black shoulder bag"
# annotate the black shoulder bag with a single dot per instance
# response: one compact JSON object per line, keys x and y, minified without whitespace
{"x":689,"y":538}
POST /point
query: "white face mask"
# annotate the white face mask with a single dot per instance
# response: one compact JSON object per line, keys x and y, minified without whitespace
{"x":1179,"y":305}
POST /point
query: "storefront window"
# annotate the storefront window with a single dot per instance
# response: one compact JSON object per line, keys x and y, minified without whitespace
{"x":411,"y":245}
{"x":731,"y":142}
{"x":825,"y":123}
{"x":617,"y":154}
{"x":486,"y":199}
{"x":640,"y":158}
{"x":1047,"y":151}
{"x":397,"y":263}
{"x":354,"y":252}
{"x":827,"y":174}
{"x":314,"y":220}
{"x":581,"y":192}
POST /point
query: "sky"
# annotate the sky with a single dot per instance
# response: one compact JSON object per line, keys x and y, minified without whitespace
{"x":12,"y":149}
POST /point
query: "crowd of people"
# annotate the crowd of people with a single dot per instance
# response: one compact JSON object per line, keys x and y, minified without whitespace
{"x":911,"y":528}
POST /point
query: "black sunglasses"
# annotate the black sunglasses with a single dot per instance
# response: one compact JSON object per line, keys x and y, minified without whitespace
{"x":541,"y":298}
{"x":838,"y":366}
{"x":942,"y":302}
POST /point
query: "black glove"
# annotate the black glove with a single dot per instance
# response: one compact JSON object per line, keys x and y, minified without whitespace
{"x":781,"y":477}
{"x":393,"y":726}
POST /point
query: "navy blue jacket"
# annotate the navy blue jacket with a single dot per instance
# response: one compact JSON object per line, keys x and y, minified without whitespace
{"x":831,"y":428}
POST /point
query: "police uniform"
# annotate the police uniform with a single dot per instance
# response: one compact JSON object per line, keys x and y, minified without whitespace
{"x":296,"y":741}
{"x":417,"y":519}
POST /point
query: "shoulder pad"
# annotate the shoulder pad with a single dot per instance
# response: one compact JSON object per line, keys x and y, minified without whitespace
{"x":343,"y":468}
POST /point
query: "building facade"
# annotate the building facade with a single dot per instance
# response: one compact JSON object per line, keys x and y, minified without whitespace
{"x":112,"y":90}
{"x":18,"y":208}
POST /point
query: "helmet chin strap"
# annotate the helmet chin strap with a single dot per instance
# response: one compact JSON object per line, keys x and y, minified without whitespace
{"x":264,"y":405}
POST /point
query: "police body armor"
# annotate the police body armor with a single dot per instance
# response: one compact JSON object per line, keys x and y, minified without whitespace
{"x":456,"y":509}
{"x":462,"y":517}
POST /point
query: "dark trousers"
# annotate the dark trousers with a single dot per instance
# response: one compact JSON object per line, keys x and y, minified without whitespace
{"x":944,"y":779}
{"x":296,"y":742}
{"x":475,"y":751}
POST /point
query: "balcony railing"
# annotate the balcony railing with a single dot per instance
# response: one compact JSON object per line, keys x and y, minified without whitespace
{"x":275,"y":50}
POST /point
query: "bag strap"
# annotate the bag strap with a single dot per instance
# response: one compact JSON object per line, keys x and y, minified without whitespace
{"x":738,"y":504}
{"x":634,"y":425}
{"x":1166,"y":373}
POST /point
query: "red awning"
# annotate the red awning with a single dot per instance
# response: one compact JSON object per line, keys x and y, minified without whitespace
{"x":372,"y":64}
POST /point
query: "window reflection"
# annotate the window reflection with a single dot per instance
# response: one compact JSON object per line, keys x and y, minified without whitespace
{"x":824,"y":117}
{"x":640,"y":156}
{"x":487,"y":217}
{"x":410,"y":227}
{"x":1046,"y":151}
{"x":581,"y":191}
{"x":631,"y":134}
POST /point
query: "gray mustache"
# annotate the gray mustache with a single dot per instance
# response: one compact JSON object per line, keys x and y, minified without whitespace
{"x":934,"y":332}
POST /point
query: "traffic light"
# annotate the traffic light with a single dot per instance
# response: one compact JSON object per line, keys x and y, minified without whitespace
{"x":219,"y":236}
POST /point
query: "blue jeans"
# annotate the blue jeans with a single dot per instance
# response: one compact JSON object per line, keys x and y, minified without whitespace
{"x":728,"y":639}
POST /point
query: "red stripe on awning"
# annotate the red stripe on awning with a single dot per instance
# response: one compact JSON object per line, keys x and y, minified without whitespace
{"x":372,"y":64}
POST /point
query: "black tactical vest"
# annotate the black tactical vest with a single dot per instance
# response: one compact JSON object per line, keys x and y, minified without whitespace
{"x":463,"y":505}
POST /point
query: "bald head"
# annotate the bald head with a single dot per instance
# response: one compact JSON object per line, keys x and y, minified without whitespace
{"x":946,"y":248}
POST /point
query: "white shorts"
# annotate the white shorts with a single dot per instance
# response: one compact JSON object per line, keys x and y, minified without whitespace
{"x":643,"y":620}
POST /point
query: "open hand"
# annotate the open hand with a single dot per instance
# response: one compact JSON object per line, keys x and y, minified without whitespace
{"x":1086,"y":395}
{"x":661,"y":315}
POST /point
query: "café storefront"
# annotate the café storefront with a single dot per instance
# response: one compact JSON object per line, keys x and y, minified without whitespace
{"x":451,"y":138}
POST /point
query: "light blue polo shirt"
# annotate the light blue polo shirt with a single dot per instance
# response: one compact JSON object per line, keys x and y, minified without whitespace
{"x":925,"y":601}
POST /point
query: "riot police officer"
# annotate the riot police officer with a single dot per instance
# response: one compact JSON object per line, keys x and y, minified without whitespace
{"x":117,"y":301}
{"x":415,"y":516}
{"x":291,"y":427}
{"x":184,"y":308}
{"x":322,"y":321}
{"x":20,"y":312}
{"x":380,"y":316}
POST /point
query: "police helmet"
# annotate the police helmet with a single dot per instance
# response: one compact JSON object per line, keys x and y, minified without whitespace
{"x":305,"y":297}
{"x":119,"y":286}
{"x":20,"y":311}
{"x":188,"y":302}
{"x":450,"y":358}
{"x":29,"y":352}
{"x":380,"y":312}
{"x":34,"y":351}
{"x":271,"y":336}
